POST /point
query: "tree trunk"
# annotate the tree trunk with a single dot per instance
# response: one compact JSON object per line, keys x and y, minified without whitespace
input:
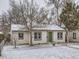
{"x":30,"y":38}
{"x":14,"y":43}
{"x":31,"y":11}
{"x":31,"y":33}
{"x":58,"y":21}
{"x":57,"y":17}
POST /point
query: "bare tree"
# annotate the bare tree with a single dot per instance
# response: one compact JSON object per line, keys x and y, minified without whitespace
{"x":58,"y":6}
{"x":6,"y":25}
{"x":26,"y":13}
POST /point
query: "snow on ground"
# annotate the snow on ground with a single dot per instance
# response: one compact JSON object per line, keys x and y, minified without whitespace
{"x":73,"y":45}
{"x":1,"y":58}
{"x":25,"y":52}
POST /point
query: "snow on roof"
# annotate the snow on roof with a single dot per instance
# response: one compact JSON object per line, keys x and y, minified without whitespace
{"x":18,"y":27}
{"x":49,"y":27}
{"x":54,"y":27}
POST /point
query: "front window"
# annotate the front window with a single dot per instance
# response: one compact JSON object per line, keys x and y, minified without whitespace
{"x":37,"y":36}
{"x":60,"y":35}
{"x":74,"y":35}
{"x":21,"y":36}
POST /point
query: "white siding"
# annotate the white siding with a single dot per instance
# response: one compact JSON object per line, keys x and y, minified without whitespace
{"x":70,"y":36}
{"x":43,"y":40}
{"x":55,"y":36}
{"x":22,"y":41}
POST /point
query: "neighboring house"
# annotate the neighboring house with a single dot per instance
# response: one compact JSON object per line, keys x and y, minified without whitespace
{"x":73,"y":36}
{"x":40,"y":34}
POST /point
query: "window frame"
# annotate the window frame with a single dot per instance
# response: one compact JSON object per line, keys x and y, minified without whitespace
{"x":74,"y":35}
{"x":38,"y":36}
{"x":21,"y":36}
{"x":60,"y":35}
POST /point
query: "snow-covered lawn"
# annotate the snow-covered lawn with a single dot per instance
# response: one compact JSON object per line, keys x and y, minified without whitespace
{"x":73,"y":45}
{"x":24,"y":52}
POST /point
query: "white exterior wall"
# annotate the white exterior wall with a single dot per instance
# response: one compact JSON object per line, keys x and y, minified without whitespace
{"x":27,"y":37}
{"x":22,"y":41}
{"x":55,"y":36}
{"x":43,"y":40}
{"x":71,"y":36}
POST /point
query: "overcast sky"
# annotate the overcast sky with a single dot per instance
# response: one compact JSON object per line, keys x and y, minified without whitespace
{"x":4,"y":4}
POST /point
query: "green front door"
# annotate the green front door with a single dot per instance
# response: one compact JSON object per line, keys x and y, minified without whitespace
{"x":49,"y":36}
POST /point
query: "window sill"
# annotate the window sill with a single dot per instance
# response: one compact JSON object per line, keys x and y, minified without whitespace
{"x":60,"y":39}
{"x":37,"y":39}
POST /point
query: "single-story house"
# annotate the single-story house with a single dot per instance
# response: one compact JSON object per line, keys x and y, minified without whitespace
{"x":40,"y":34}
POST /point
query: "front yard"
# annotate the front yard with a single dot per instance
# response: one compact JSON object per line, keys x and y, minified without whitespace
{"x":35,"y":52}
